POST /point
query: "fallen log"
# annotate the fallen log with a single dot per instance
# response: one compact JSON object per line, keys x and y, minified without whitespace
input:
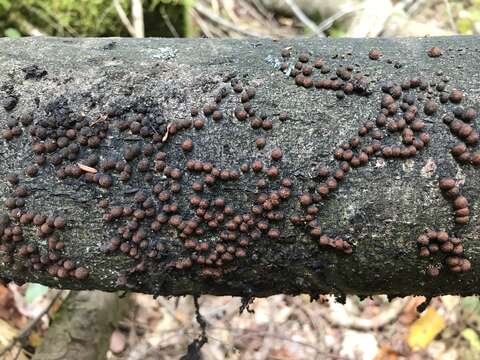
{"x":241,"y":167}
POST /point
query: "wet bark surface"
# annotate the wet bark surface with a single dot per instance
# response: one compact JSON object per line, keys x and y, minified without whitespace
{"x":312,"y":166}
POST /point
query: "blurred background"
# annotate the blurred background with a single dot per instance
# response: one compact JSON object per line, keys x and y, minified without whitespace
{"x":231,"y":18}
{"x":280,"y":327}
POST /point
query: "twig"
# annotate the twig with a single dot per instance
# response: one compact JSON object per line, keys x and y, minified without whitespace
{"x":261,"y":9}
{"x":328,"y":22}
{"x":86,"y":168}
{"x":165,"y":137}
{"x":202,"y":24}
{"x":167,"y":21}
{"x":193,"y":351}
{"x":124,"y":18}
{"x":25,"y":25}
{"x":229,"y":7}
{"x":450,"y":17}
{"x":267,"y":343}
{"x":100,"y":119}
{"x":203,"y":10}
{"x":251,"y":332}
{"x":249,"y":9}
{"x":415,"y":6}
{"x":17,"y":355}
{"x":404,"y":5}
{"x":167,"y":306}
{"x":304,"y":18}
{"x":137,"y":17}
{"x":28,"y":329}
{"x":339,"y":317}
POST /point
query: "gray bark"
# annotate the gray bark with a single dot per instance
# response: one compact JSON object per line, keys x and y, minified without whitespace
{"x":380,"y":209}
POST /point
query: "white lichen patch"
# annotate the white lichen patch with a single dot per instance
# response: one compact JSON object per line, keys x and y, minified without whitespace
{"x":429,"y":168}
{"x":408,"y":165}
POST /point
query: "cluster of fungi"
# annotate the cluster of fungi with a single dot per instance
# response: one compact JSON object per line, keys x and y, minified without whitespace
{"x":400,"y":112}
{"x":209,"y":234}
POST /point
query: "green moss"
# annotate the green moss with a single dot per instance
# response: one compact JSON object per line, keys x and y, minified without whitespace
{"x":96,"y":18}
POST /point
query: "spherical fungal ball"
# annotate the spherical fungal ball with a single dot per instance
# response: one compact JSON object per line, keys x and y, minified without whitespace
{"x":260,"y":143}
{"x":446,"y":183}
{"x":434,"y":52}
{"x":305,"y":199}
{"x":465,"y":265}
{"x":442,"y":236}
{"x":462,"y":220}
{"x":423,"y":240}
{"x":433,"y":271}
{"x":59,"y":222}
{"x":272,"y":172}
{"x":31,"y":170}
{"x":374,"y":54}
{"x":460,"y":203}
{"x":217,"y":115}
{"x":430,"y":107}
{"x":81,"y":273}
{"x":456,"y":96}
{"x":475,"y":159}
{"x":458,"y":150}
{"x":304,"y":57}
{"x":187,"y":145}
{"x":105,"y":181}
{"x":277,"y":154}
{"x":257,"y":166}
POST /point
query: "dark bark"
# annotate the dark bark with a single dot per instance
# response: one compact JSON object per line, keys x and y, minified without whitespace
{"x":379,"y":209}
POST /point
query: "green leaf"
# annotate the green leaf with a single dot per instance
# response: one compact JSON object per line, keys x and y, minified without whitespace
{"x":471,"y":303}
{"x":472,"y":337}
{"x":5,"y":4}
{"x":12,"y":33}
{"x":336,"y":32}
{"x":34,"y":291}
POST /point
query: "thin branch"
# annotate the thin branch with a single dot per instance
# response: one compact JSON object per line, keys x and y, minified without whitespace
{"x":28,"y":329}
{"x":25,"y":26}
{"x":328,"y":22}
{"x":124,"y":18}
{"x":304,"y":18}
{"x":251,"y":332}
{"x":450,"y":16}
{"x":338,"y":316}
{"x":167,"y":21}
{"x":203,"y":10}
{"x":416,"y":6}
{"x":202,"y":24}
{"x":137,"y":17}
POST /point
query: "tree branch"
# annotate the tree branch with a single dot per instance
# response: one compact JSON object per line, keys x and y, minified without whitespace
{"x":241,"y":167}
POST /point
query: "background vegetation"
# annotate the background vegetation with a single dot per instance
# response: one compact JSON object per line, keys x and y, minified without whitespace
{"x":280,"y":327}
{"x":215,"y":18}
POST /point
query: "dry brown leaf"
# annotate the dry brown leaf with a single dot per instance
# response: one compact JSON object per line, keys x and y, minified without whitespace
{"x":8,"y":308}
{"x":165,"y":137}
{"x":87,"y":168}
{"x":118,"y":342}
{"x":7,"y":335}
{"x":385,"y":353}
{"x":424,"y":330}
{"x":283,"y":353}
{"x":101,"y":118}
